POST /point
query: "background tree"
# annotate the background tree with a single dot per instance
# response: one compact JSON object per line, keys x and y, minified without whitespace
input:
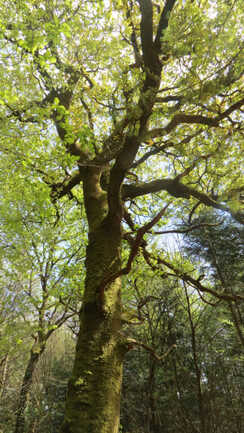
{"x":219,"y":243}
{"x":200,"y":377}
{"x":40,"y":268}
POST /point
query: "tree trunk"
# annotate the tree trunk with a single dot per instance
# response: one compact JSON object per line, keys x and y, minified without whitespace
{"x":93,"y":401}
{"x":4,"y":364}
{"x":153,"y":419}
{"x":24,"y":392}
{"x":93,"y":398}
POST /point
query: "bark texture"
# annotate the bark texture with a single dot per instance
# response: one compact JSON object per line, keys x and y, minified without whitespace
{"x":25,"y":390}
{"x":93,"y":400}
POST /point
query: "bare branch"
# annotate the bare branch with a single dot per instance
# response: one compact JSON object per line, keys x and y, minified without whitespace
{"x":132,"y":342}
{"x":197,"y":226}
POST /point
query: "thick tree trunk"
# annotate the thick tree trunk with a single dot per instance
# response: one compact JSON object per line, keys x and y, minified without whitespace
{"x":93,"y":398}
{"x":24,"y":392}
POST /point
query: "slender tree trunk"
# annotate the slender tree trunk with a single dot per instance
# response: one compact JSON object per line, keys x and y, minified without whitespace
{"x":4,"y":365}
{"x":33,"y":427}
{"x":201,"y":407}
{"x":93,"y":399}
{"x":25,"y":390}
{"x":153,"y":422}
{"x":237,"y":322}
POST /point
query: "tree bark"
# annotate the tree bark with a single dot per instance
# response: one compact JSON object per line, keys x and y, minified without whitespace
{"x":93,"y":400}
{"x":24,"y":392}
{"x":4,"y":365}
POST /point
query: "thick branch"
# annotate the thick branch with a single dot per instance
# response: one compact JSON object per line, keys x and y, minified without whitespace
{"x":173,"y":186}
{"x":176,"y":189}
{"x":163,"y":23}
{"x":147,"y":32}
{"x":135,"y":245}
{"x":194,"y":119}
{"x":118,"y":172}
{"x":62,"y":188}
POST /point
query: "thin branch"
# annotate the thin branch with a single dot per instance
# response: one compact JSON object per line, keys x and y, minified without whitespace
{"x":192,"y":281}
{"x":152,"y":152}
{"x":137,"y":54}
{"x":186,"y":230}
{"x":132,"y":342}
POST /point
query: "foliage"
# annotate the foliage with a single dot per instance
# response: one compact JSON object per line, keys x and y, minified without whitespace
{"x":198,"y":378}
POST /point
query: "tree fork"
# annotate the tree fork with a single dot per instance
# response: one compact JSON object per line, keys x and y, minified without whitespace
{"x":93,"y":400}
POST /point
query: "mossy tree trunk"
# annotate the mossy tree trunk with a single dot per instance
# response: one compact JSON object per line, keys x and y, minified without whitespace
{"x":93,"y":401}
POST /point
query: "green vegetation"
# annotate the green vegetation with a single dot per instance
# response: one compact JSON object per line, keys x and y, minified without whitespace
{"x":121,"y":124}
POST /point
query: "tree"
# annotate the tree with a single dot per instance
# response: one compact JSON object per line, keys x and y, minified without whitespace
{"x":196,"y":384}
{"x":221,"y":245}
{"x":47,"y":399}
{"x":102,"y":89}
{"x":40,"y":269}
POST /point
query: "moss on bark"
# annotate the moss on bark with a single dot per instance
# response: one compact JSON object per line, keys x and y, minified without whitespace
{"x":93,"y":403}
{"x":93,"y":400}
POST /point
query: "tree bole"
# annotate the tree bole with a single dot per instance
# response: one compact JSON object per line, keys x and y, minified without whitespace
{"x":93,"y":400}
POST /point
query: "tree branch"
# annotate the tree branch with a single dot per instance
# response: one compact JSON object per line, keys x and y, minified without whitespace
{"x":192,"y":281}
{"x":163,"y":24}
{"x":117,"y":174}
{"x":176,"y":189}
{"x":131,"y":342}
{"x":182,"y":231}
{"x":135,"y":245}
{"x":167,"y":144}
{"x":194,"y":119}
{"x":61,"y":189}
{"x":173,"y":186}
{"x":146,"y":27}
{"x":133,"y":39}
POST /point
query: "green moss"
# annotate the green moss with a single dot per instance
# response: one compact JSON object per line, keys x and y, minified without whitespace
{"x":93,"y":403}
